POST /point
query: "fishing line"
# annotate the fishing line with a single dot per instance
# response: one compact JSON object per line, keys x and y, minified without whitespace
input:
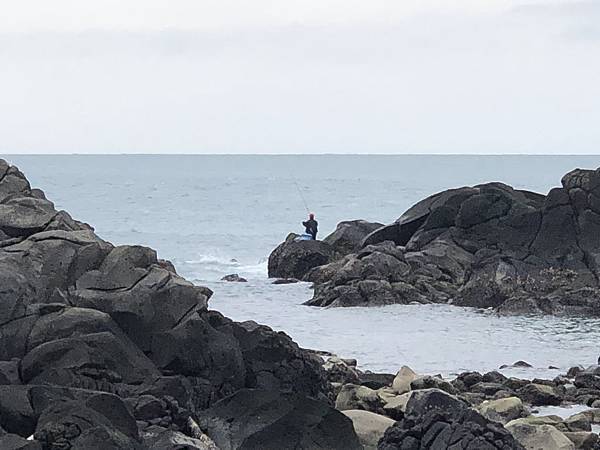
{"x":301,"y":195}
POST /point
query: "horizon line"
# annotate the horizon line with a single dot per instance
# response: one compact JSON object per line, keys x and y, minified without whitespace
{"x":300,"y":154}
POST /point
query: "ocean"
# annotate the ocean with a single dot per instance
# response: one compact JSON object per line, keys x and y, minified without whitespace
{"x":217,"y":215}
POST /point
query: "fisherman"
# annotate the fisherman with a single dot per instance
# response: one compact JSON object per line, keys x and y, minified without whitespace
{"x":311,"y":226}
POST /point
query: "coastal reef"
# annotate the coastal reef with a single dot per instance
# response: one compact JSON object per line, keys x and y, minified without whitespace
{"x":487,"y":246}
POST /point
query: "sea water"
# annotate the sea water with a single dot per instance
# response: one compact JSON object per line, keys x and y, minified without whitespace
{"x":217,"y":215}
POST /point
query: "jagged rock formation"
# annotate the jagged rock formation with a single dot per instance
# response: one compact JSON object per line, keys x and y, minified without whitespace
{"x":483,"y":246}
{"x":107,"y":347}
{"x":433,"y":419}
{"x":295,"y":259}
{"x":349,"y":236}
{"x":257,"y":419}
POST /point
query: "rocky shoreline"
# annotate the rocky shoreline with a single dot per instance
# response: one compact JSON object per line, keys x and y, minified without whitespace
{"x":487,"y":246}
{"x":106,"y":347}
{"x":479,"y":411}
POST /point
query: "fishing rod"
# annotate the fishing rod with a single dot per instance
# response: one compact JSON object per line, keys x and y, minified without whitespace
{"x":301,"y":195}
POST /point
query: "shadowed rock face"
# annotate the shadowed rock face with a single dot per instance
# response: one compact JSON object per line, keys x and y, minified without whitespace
{"x":434,"y":419}
{"x":483,"y":246}
{"x":94,"y":337}
{"x":348,"y":236}
{"x":266,"y":420}
{"x":294,"y":259}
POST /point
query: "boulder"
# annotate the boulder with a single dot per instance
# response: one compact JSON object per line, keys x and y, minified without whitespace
{"x":369,"y":427}
{"x":578,"y":422}
{"x":376,"y":380}
{"x":588,"y":378}
{"x":403,"y":380}
{"x":533,"y":437}
{"x":338,"y":371}
{"x":195,"y":347}
{"x":396,"y":407}
{"x":467,"y":379}
{"x":234,"y":277}
{"x":147,"y":407}
{"x":142,"y":298}
{"x":294,"y":259}
{"x":518,"y":364}
{"x":502,"y":410}
{"x":271,"y":420}
{"x":429,"y":382}
{"x":352,"y":396}
{"x":12,"y":182}
{"x":583,"y":440}
{"x":488,"y":389}
{"x":349,"y":236}
{"x":539,"y":395}
{"x":421,"y":402}
{"x":54,"y":259}
{"x":435,"y":419}
{"x":593,"y":415}
{"x":96,"y":356}
{"x":272,"y":360}
{"x":552,"y":420}
{"x":100,"y":421}
{"x":24,"y":216}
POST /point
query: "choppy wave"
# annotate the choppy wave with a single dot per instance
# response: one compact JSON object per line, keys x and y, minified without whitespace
{"x":211,"y":267}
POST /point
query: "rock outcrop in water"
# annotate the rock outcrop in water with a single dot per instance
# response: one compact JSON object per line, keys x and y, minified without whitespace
{"x":296,"y":258}
{"x":483,"y":246}
{"x":107,"y":347}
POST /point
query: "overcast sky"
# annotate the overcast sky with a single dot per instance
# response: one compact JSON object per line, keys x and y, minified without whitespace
{"x":300,"y":76}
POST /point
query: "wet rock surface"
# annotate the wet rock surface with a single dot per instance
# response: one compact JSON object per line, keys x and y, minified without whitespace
{"x":105,"y":346}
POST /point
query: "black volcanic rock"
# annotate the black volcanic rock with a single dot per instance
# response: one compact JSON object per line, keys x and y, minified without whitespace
{"x":93,"y":337}
{"x":436,"y":420}
{"x":484,"y":246}
{"x":267,"y":420}
{"x":294,"y":259}
{"x":348,"y":236}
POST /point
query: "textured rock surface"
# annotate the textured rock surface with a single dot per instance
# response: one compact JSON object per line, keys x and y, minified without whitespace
{"x":99,"y":344}
{"x":502,"y":410}
{"x":295,"y":259}
{"x":435,"y":419}
{"x":369,"y":427}
{"x":537,"y":437}
{"x":348,"y":236}
{"x":267,"y":420}
{"x":483,"y":246}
